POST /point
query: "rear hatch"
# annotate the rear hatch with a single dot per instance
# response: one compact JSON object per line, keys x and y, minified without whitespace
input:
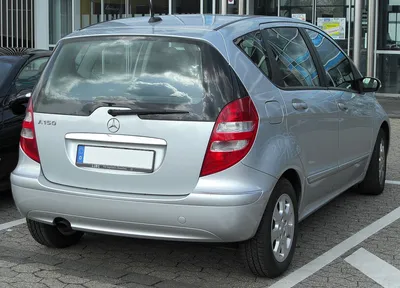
{"x":131,"y":114}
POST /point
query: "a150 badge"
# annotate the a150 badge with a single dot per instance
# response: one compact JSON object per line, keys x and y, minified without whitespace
{"x":47,"y":122}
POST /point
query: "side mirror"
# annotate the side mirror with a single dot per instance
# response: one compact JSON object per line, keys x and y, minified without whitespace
{"x":370,"y":84}
{"x":18,"y":102}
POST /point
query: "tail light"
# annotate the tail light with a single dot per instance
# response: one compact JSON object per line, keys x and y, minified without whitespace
{"x":28,"y":136}
{"x":232,"y":137}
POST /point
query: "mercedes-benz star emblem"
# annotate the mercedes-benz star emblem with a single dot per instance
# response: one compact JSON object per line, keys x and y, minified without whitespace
{"x":113,"y":125}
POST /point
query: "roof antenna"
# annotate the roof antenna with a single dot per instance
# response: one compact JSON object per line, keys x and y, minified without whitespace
{"x":153,"y":19}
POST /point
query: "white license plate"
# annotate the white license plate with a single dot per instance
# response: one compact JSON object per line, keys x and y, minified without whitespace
{"x":115,"y":158}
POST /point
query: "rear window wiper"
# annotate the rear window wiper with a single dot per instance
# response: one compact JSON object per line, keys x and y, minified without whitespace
{"x":117,"y":112}
{"x":90,"y":107}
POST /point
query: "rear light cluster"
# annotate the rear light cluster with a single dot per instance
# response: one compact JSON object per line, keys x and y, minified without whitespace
{"x":28,"y":136}
{"x":232,"y":137}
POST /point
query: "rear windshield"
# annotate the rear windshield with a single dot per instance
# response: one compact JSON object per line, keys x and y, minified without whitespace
{"x":149,"y":73}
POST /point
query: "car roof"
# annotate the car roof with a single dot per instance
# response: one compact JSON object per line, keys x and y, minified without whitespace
{"x":22,"y":51}
{"x":192,"y":25}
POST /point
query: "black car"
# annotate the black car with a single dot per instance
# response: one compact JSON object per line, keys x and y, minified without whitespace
{"x":20,"y":69}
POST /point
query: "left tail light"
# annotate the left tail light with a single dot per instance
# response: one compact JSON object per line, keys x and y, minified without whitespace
{"x":28,"y":136}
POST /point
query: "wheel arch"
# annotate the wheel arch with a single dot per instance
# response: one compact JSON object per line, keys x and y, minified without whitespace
{"x":293,"y":177}
{"x":386,"y":128}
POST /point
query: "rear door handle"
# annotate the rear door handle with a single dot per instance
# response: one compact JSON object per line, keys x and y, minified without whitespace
{"x":342,"y":106}
{"x":299,"y":104}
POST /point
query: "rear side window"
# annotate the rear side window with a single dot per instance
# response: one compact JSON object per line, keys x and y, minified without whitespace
{"x":153,"y":73}
{"x":337,"y":66}
{"x":292,"y":56}
{"x":251,"y":45}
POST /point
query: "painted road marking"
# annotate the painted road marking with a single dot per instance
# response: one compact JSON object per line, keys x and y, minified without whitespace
{"x":318,"y":263}
{"x":375,"y":268}
{"x":393,"y":182}
{"x":11,"y":224}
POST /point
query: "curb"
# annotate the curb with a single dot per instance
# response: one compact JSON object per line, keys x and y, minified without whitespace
{"x":388,"y":97}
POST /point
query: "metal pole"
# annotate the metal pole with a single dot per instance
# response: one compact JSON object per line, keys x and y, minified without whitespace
{"x":371,"y":38}
{"x":22,"y":22}
{"x":1,"y":25}
{"x":376,"y":38}
{"x":126,"y":8}
{"x":241,"y":7}
{"x":151,"y":8}
{"x":357,"y":32}
{"x":279,"y":8}
{"x":314,"y":12}
{"x":350,"y":17}
{"x":102,"y":10}
{"x":17,"y":23}
{"x":12,"y":24}
{"x":73,"y":16}
{"x":224,"y":7}
{"x":7,"y":23}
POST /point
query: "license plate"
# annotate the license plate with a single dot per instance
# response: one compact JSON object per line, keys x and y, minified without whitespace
{"x":115,"y":158}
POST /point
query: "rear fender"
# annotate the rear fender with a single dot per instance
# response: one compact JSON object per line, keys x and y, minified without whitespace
{"x":275,"y":156}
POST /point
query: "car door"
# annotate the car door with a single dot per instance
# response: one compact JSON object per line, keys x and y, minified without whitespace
{"x":25,"y":80}
{"x":356,"y":110}
{"x":9,"y":67}
{"x":312,"y":111}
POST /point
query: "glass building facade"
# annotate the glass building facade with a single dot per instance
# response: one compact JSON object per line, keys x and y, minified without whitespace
{"x":388,"y":46}
{"x":56,"y":18}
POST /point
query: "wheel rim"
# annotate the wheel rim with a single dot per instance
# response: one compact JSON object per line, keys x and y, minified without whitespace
{"x":282,"y":228}
{"x":382,"y":161}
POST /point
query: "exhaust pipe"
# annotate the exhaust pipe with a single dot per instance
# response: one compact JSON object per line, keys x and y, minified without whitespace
{"x":64,"y":226}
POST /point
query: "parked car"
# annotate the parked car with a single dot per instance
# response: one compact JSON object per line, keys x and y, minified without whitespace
{"x":197,"y":128}
{"x":20,"y":69}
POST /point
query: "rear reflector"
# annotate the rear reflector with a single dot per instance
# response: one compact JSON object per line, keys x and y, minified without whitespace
{"x":233,"y":136}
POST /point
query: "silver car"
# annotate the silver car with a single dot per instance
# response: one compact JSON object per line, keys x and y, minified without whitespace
{"x":197,"y":128}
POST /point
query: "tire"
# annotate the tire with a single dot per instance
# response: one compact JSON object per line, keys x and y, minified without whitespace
{"x":50,"y":236}
{"x":374,"y":181}
{"x":257,"y":253}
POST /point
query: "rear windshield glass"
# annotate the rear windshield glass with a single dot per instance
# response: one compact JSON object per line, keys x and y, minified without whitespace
{"x":149,"y":73}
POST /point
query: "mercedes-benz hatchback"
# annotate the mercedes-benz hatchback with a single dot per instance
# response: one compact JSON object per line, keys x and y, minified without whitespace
{"x":197,"y":128}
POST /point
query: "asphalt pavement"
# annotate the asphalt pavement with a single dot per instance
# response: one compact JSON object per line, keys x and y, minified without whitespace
{"x":354,"y":241}
{"x":391,"y":105}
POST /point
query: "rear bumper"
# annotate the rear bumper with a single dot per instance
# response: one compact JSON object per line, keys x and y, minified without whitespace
{"x":209,"y":214}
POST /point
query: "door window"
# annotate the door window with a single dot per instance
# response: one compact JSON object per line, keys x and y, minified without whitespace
{"x":251,"y":45}
{"x":293,"y":57}
{"x":30,"y":74}
{"x":338,"y":67}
